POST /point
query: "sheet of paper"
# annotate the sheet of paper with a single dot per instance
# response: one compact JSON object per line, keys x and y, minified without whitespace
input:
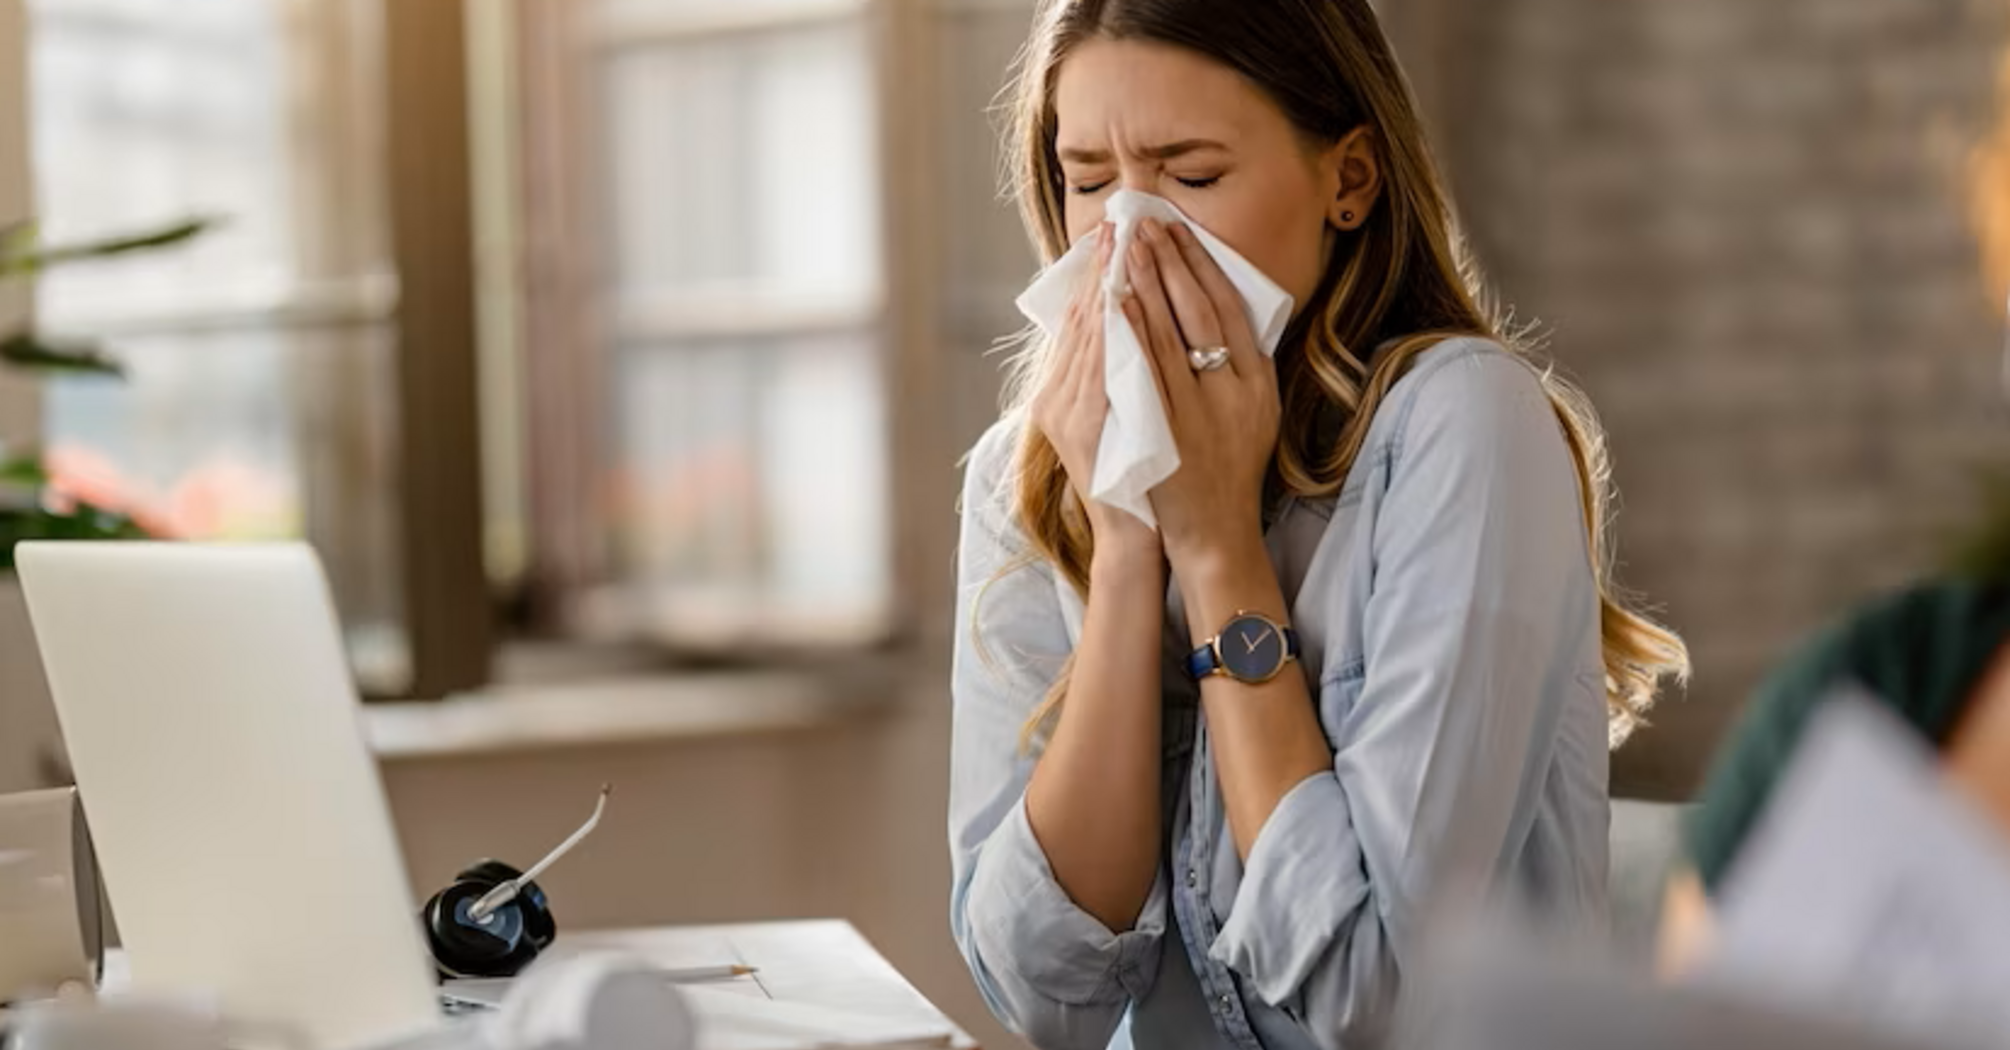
{"x":821,"y":984}
{"x":1868,"y":889}
{"x":730,"y":1019}
{"x":737,"y":1022}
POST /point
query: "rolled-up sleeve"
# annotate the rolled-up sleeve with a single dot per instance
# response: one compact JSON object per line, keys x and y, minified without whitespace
{"x":1474,"y":639}
{"x":1048,"y":969}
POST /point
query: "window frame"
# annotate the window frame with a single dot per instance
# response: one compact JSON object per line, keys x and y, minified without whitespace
{"x":569,"y":550}
{"x":449,"y":607}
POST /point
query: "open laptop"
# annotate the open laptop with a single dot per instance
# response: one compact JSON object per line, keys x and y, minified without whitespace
{"x":242,"y":832}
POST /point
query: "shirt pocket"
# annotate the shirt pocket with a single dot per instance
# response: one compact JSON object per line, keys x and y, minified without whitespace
{"x":1339,"y":691}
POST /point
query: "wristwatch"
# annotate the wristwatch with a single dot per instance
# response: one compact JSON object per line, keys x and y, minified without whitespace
{"x":1253,"y":648}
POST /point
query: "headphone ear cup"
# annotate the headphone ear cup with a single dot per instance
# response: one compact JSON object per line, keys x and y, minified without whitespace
{"x":499,"y":946}
{"x":538,"y":924}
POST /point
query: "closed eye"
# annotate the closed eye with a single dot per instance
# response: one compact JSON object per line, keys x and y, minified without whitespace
{"x":1091,"y":189}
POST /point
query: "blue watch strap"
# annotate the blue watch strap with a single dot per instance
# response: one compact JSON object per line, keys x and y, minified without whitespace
{"x":1200,"y":663}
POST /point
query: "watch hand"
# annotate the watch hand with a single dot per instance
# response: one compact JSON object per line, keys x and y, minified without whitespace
{"x":1259,"y":640}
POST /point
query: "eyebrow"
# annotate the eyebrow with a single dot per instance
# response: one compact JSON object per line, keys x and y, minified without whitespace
{"x":1165,"y":152}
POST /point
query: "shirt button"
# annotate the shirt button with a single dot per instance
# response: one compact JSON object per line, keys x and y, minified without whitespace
{"x":1192,"y":878}
{"x":1227,"y":1003}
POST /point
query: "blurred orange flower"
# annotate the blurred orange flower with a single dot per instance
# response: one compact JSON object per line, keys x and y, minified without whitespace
{"x":221,"y":498}
{"x":80,"y":476}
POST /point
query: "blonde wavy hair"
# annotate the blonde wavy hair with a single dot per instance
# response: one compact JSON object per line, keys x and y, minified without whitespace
{"x":1989,"y":171}
{"x":1402,"y":280}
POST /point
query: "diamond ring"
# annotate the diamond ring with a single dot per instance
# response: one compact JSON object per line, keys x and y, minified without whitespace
{"x":1207,"y":359}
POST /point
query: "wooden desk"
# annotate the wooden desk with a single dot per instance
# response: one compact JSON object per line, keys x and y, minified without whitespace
{"x":824,"y":963}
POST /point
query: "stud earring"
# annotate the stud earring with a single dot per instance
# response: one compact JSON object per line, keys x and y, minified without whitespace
{"x":1346,"y":216}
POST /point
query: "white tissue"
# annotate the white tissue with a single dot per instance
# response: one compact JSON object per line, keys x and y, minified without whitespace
{"x":1137,"y":450}
{"x":600,"y":1001}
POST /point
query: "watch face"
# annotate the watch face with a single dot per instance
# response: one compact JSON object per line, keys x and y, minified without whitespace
{"x":1251,"y":648}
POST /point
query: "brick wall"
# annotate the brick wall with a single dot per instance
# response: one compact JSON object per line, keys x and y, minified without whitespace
{"x":1744,"y":223}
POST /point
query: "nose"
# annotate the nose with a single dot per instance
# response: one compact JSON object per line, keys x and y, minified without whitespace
{"x":1136,"y":176}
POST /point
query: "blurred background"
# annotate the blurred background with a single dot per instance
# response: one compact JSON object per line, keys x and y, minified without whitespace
{"x":618,"y":355}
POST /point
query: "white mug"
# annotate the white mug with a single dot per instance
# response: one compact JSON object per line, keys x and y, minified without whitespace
{"x":114,"y":1024}
{"x":50,"y":919}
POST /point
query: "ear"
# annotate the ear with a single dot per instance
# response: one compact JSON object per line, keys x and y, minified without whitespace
{"x":1354,"y":170}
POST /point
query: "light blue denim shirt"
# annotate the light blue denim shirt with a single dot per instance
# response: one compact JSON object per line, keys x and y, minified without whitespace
{"x":1450,"y":627}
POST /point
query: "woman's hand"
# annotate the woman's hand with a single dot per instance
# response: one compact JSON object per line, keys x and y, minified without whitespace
{"x":1225,"y":421}
{"x":1073,"y":403}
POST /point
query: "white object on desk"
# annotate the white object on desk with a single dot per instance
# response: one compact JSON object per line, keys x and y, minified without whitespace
{"x":596,"y":1001}
{"x":128,"y":1024}
{"x":49,"y":908}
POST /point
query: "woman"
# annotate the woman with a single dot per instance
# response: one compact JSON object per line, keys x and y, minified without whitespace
{"x":1243,"y":860}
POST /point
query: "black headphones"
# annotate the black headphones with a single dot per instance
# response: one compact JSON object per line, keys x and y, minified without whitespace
{"x":494,"y":920}
{"x":502,"y":942}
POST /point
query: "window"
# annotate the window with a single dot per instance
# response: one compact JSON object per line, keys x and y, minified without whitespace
{"x":734,"y":326}
{"x":692,"y":237}
{"x":272,"y":361}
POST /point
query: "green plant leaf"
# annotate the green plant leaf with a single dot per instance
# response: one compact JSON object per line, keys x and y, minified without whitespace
{"x":84,"y":523}
{"x":20,"y":255}
{"x":16,"y":238}
{"x":25,"y":471}
{"x":30,"y":351}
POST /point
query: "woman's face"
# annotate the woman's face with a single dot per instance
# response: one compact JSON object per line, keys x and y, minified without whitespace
{"x":1170,"y":122}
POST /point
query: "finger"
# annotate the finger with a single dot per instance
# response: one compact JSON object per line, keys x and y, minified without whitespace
{"x":1089,"y":338}
{"x":1078,"y":356}
{"x":1135,"y":313}
{"x":1240,"y":339}
{"x":1091,"y":280}
{"x":1192,"y":309}
{"x":1089,"y":377}
{"x":1061,"y":351}
{"x":1090,"y":294}
{"x":1081,"y":312}
{"x":1042,"y":407}
{"x":1069,"y":338}
{"x":1160,"y":331}
{"x":1090,"y":346}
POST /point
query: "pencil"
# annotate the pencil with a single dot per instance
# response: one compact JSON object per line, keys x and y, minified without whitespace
{"x":695,"y":974}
